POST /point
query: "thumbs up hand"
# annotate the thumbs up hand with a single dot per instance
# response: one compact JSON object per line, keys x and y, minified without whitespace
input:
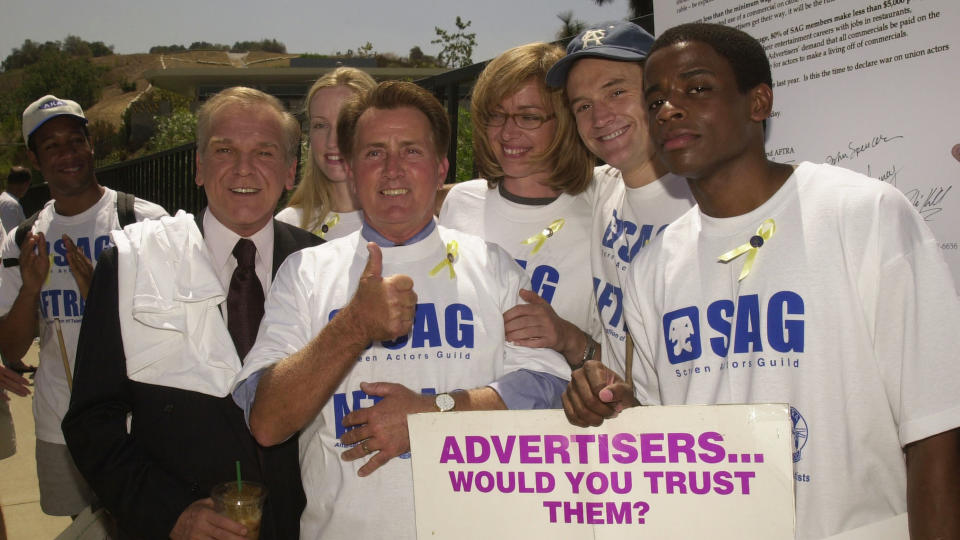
{"x":383,"y":305}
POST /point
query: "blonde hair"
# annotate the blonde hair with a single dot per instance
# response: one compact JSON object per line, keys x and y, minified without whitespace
{"x":569,"y":161}
{"x":247,"y":97}
{"x":313,"y":194}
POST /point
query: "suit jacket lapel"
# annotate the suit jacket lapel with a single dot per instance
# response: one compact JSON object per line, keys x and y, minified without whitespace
{"x":283,"y":245}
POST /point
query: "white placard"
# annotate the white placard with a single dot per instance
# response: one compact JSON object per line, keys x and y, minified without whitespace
{"x":869,"y":85}
{"x":721,"y":472}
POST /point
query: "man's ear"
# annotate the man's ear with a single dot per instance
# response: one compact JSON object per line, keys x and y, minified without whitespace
{"x":291,"y":176}
{"x":761,"y":102}
{"x":442,"y":169}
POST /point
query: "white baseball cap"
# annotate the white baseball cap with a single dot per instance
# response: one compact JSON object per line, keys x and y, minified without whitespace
{"x":46,"y":108}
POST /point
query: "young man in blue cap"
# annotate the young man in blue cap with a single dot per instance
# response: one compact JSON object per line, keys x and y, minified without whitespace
{"x":602,"y":75}
{"x":810,"y":285}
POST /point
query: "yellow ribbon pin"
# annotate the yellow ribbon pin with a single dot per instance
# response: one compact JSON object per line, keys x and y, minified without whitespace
{"x":764,"y":233}
{"x":452,"y":252}
{"x":542,"y":236}
{"x":330,"y":223}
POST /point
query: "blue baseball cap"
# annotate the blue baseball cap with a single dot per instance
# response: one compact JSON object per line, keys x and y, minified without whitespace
{"x":614,"y":40}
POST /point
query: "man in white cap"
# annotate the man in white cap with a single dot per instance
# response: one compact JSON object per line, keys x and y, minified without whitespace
{"x":46,"y":277}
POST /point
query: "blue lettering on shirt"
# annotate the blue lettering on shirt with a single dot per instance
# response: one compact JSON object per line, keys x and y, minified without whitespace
{"x":785,"y":335}
{"x":59,"y":248}
{"x":425,"y":326}
{"x":341,"y":408}
{"x":747,"y":338}
{"x":780,"y":327}
{"x":543,"y":280}
{"x":58,"y":303}
{"x":609,"y":303}
{"x":457,"y":330}
{"x":635,"y":237}
{"x":719,"y":314}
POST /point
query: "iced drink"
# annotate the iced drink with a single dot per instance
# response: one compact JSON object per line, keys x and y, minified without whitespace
{"x":243,"y":504}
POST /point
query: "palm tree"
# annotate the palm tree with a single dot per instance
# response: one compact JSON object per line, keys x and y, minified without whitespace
{"x":571,"y":27}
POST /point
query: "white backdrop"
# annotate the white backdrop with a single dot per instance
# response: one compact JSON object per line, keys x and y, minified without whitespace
{"x":870,"y":85}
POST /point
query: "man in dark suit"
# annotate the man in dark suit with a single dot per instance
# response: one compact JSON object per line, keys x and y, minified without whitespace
{"x":147,"y":350}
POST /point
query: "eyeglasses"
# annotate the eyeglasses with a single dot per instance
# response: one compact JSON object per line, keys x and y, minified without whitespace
{"x":522,"y":120}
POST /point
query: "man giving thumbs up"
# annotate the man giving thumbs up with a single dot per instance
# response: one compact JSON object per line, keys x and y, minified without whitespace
{"x":392,"y":320}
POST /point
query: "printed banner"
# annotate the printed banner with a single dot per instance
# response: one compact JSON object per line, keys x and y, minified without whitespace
{"x":719,"y":472}
{"x":864,"y":84}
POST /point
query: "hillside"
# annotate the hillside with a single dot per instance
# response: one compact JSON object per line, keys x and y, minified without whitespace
{"x":130,"y":68}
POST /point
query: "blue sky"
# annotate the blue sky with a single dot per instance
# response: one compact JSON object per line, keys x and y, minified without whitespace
{"x":315,"y":26}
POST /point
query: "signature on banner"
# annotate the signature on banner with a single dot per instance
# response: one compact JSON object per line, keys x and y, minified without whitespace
{"x":853,"y":150}
{"x":930,"y":202}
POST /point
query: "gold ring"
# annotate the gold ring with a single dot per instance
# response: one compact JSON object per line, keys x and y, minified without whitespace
{"x":364,"y":446}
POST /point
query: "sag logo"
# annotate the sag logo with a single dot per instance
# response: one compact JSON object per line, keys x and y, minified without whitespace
{"x":593,"y":38}
{"x":746,"y":326}
{"x":629,"y":234}
{"x":454,"y":328}
{"x":682,"y":331}
{"x":799,"y":433}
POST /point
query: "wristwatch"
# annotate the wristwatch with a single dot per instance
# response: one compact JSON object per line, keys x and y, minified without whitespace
{"x":444,"y":402}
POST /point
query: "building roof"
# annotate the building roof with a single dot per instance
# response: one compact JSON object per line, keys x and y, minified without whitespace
{"x":201,"y":82}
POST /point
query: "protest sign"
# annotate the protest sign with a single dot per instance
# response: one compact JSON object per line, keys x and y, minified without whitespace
{"x":721,"y":472}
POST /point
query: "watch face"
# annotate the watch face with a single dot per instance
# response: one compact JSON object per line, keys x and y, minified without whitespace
{"x":444,"y":402}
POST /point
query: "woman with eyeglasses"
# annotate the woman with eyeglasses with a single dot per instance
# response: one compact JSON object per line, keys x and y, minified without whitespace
{"x":533,"y":199}
{"x":323,"y":203}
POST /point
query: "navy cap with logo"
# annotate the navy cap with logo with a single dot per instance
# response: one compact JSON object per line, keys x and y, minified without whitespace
{"x":616,"y":40}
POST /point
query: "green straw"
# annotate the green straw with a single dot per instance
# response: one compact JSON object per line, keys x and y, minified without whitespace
{"x":239,"y":480}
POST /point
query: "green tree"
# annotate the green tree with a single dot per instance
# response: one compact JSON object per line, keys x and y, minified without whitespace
{"x":366,"y":50}
{"x":415,"y":56}
{"x":68,"y":77}
{"x":464,"y":145}
{"x":174,"y":130}
{"x":638,"y":8}
{"x":99,"y":48}
{"x":161,"y":49}
{"x":28,"y":53}
{"x":268,"y":45}
{"x":457,"y":47}
{"x":75,"y":46}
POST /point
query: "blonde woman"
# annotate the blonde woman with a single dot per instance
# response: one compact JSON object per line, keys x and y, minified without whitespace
{"x":534,"y":199}
{"x":322,"y":202}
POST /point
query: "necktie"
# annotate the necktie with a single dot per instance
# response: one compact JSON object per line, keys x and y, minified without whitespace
{"x":245,"y":298}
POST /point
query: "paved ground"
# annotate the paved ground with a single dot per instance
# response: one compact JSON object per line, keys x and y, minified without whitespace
{"x":19,"y":495}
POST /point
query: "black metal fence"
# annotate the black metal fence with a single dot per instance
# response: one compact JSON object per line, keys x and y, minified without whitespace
{"x":165,"y":178}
